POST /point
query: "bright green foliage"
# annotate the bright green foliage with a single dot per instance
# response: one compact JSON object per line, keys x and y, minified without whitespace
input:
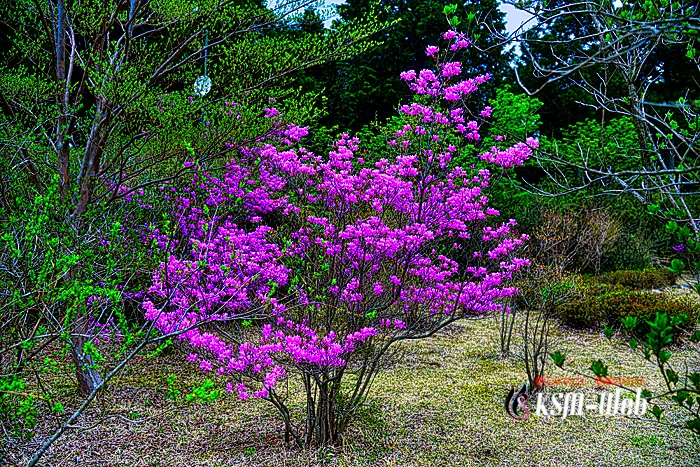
{"x":608,"y":332}
{"x":657,"y":412}
{"x":660,"y":334}
{"x":613,"y":143}
{"x":599,"y":369}
{"x":172,"y":392}
{"x":630,"y":323}
{"x":558,"y":358}
{"x":17,"y":408}
{"x":515,"y":116}
{"x":205,"y":392}
{"x":677,"y":266}
{"x":682,"y":387}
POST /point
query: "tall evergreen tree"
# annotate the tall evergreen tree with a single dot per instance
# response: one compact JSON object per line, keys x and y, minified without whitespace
{"x":367,"y":87}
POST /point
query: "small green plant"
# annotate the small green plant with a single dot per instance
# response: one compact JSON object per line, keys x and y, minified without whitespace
{"x":57,"y":408}
{"x":205,"y":392}
{"x":646,"y":441}
{"x":158,"y":350}
{"x":172,"y":392}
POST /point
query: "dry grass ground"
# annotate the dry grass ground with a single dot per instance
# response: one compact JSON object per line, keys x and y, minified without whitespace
{"x":443,"y":406}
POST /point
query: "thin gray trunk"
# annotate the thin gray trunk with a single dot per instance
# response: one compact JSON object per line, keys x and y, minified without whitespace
{"x":85,"y":371}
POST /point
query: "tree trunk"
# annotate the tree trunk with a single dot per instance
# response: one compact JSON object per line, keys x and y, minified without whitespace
{"x":85,"y":371}
{"x":321,"y":416}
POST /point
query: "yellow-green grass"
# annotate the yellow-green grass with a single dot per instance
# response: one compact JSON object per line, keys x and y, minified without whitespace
{"x":441,"y":406}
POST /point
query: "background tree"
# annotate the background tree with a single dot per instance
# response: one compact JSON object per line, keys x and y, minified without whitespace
{"x":618,"y":45}
{"x":366,"y":87}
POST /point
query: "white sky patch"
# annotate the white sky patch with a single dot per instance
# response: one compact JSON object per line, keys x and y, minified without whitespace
{"x":329,"y":3}
{"x":514,"y":17}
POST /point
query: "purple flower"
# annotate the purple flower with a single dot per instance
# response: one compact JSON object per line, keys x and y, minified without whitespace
{"x":449,"y":35}
{"x":261,"y":394}
{"x":242,"y":392}
{"x":462,"y":43}
{"x":409,"y":75}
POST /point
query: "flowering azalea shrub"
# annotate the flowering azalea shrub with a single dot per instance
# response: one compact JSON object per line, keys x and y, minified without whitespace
{"x":334,"y":258}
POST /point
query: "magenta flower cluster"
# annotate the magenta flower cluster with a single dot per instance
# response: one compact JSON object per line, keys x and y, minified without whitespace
{"x":332,"y":255}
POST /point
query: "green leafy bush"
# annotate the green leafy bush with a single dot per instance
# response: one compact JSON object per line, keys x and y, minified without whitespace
{"x":614,"y":307}
{"x":17,"y":408}
{"x":582,"y":310}
{"x":596,"y":304}
{"x":515,"y":115}
{"x":647,"y":279}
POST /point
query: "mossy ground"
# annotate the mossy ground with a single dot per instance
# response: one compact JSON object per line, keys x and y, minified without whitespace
{"x":442,"y":406}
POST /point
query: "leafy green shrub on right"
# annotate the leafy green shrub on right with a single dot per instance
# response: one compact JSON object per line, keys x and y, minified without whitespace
{"x":645,"y":305}
{"x":595,"y":304}
{"x":646,"y":279}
